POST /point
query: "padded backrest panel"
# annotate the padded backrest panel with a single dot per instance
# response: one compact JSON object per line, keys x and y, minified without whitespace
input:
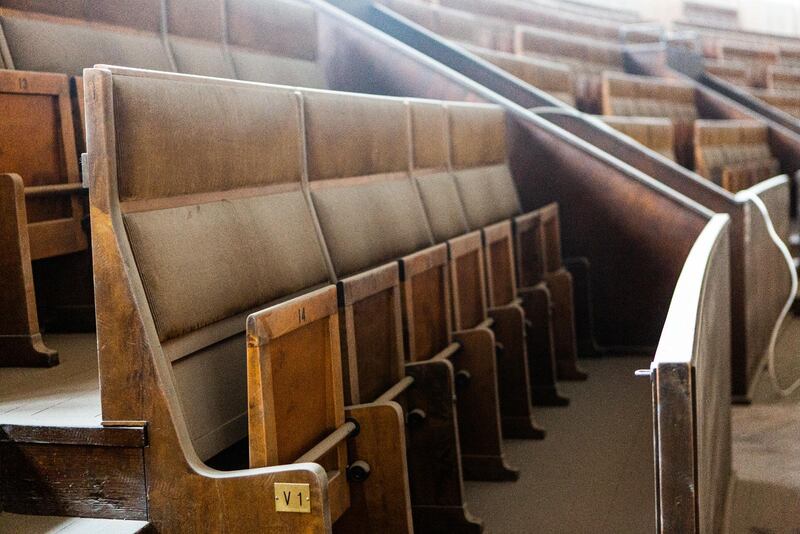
{"x":562,"y":46}
{"x":285,"y":28}
{"x":196,"y":19}
{"x":203,"y":58}
{"x":479,"y":155}
{"x":142,"y":15}
{"x":436,"y":185}
{"x":248,"y":137}
{"x":630,"y":95}
{"x":720,"y":144}
{"x":238,"y":137}
{"x":58,"y":45}
{"x":351,"y":135}
{"x":274,"y":42}
{"x":550,"y":76}
{"x":654,"y":133}
{"x":377,"y":216}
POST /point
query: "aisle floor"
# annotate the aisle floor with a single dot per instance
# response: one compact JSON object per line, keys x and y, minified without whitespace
{"x":593,"y":473}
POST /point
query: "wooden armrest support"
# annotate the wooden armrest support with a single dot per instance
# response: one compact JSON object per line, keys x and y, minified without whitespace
{"x":55,"y":189}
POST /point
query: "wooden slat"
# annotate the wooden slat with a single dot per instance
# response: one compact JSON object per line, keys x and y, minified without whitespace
{"x":56,"y":238}
{"x":98,"y":436}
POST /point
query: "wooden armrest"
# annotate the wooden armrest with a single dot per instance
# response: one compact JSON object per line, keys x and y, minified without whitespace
{"x":55,"y":189}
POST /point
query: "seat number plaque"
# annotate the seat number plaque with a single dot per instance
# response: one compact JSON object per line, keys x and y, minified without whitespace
{"x":292,"y":498}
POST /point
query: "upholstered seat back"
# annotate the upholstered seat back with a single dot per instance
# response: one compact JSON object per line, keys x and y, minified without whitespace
{"x":219,"y":226}
{"x":655,"y":133}
{"x":196,"y":33}
{"x":431,"y":170}
{"x":274,"y":42}
{"x":479,"y":155}
{"x":72,"y":36}
{"x":358,"y":163}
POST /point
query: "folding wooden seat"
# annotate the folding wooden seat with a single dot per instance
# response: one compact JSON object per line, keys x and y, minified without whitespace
{"x":370,"y":214}
{"x":479,"y":157}
{"x":196,"y":37}
{"x":655,"y":133}
{"x":68,"y":37}
{"x":550,"y":76}
{"x":734,"y":154}
{"x":43,"y":202}
{"x":199,"y":226}
{"x":274,"y":42}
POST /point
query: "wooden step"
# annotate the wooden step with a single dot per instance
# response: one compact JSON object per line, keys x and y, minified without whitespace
{"x":95,"y":472}
{"x":50,"y":524}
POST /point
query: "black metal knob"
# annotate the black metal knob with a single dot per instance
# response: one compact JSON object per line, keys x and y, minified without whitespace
{"x":358,"y":471}
{"x":463,"y":378}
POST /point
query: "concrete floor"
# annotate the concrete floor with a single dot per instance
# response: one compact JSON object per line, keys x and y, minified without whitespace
{"x":593,"y":473}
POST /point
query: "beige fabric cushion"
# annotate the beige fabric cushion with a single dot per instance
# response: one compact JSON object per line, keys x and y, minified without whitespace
{"x":488,"y":195}
{"x":354,"y":135}
{"x":259,"y":67}
{"x":285,"y":28}
{"x":227,"y":137}
{"x":69,"y":48}
{"x":203,"y":58}
{"x":198,"y":19}
{"x":477,"y":134}
{"x":367,"y":225}
{"x":200,"y":264}
{"x":212,"y":389}
{"x":442,"y":206}
{"x":429,"y":134}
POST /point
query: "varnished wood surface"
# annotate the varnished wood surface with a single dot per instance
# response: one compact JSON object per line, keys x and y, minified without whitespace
{"x":66,"y":395}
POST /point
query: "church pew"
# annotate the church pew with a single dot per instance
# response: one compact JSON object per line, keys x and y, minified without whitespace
{"x":734,"y":154}
{"x":39,"y":146}
{"x":629,"y":95}
{"x":191,"y":384}
{"x":758,"y":58}
{"x":369,"y":214}
{"x":787,"y":102}
{"x":655,"y":133}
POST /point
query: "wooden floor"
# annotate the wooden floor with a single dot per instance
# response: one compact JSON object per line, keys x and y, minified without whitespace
{"x":65,"y":395}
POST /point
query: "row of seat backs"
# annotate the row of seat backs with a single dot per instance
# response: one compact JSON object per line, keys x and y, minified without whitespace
{"x":730,"y":144}
{"x":590,"y":9}
{"x":719,"y":16}
{"x":655,"y":133}
{"x":711,"y":37}
{"x":258,"y":40}
{"x":233,"y":223}
{"x":508,"y":36}
{"x":734,"y":72}
{"x":783,"y":78}
{"x":552,"y":77}
{"x":788,"y":102}
{"x":545,"y":17}
{"x":631,"y":95}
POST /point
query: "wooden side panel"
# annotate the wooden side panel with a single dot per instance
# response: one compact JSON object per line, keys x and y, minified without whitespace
{"x":467,"y":282}
{"x":500,"y":271}
{"x":429,"y":312}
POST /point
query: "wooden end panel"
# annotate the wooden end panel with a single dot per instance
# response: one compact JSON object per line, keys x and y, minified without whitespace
{"x":374,"y":342}
{"x":551,"y":230}
{"x":467,"y":281}
{"x":499,"y":251}
{"x":37,"y":137}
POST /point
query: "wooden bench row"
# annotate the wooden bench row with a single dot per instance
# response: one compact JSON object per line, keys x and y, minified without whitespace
{"x":585,"y":57}
{"x":235,"y":38}
{"x":215,"y":235}
{"x":788,"y":102}
{"x":657,"y":134}
{"x":717,"y":16}
{"x":734,"y":154}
